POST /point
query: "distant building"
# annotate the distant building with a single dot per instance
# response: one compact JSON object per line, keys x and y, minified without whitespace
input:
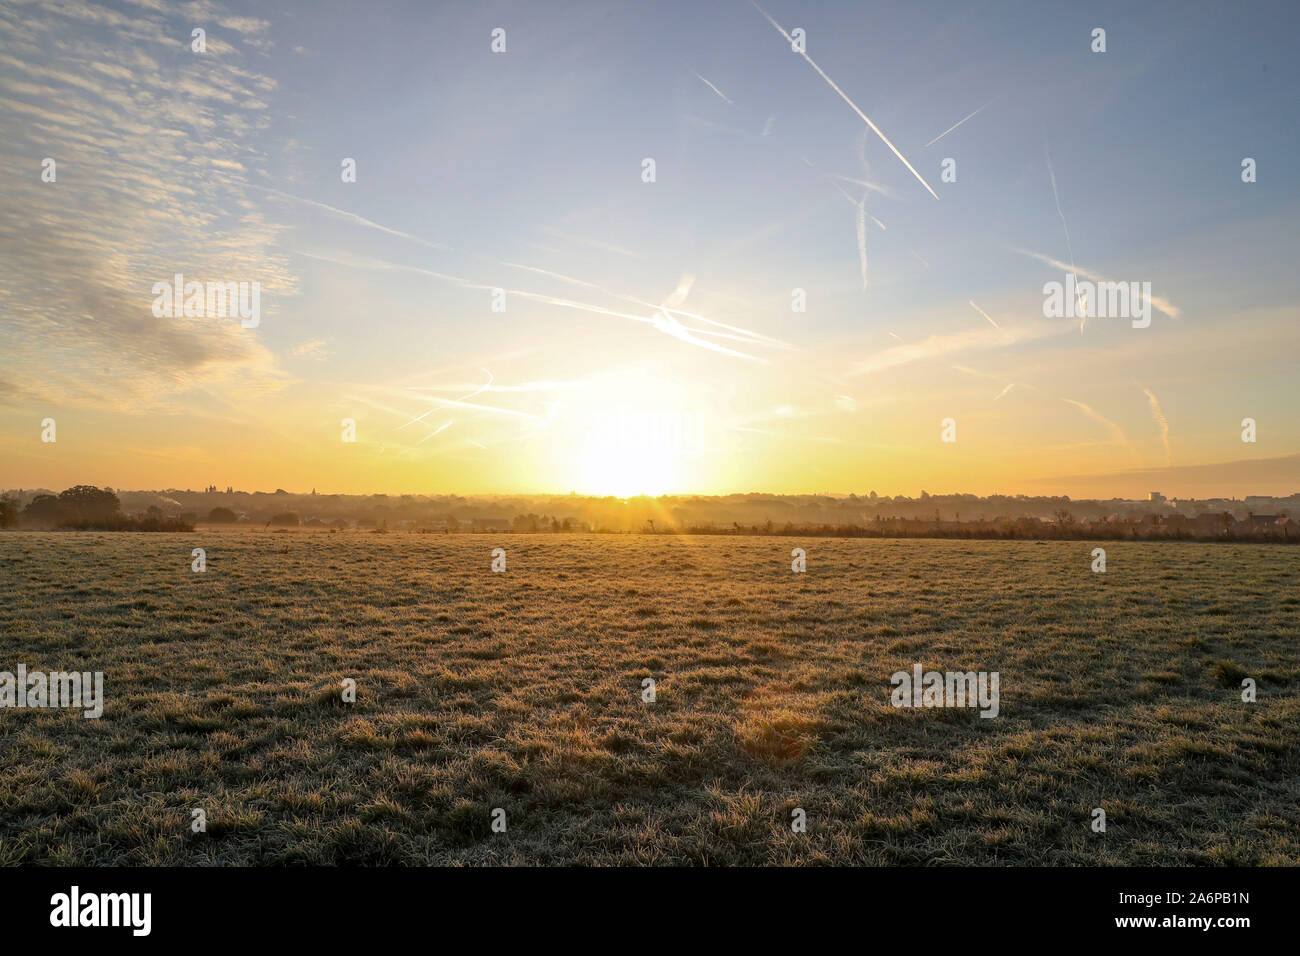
{"x":1156,"y":498}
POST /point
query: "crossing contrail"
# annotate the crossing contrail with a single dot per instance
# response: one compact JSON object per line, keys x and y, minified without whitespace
{"x":866,"y":119}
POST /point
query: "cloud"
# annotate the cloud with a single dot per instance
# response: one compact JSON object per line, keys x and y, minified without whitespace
{"x":150,"y":182}
{"x":314,"y":349}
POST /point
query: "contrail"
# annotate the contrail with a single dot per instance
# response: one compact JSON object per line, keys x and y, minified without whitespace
{"x":874,"y":187}
{"x":671,"y":327}
{"x":713,"y":88}
{"x":353,"y":217}
{"x":594,"y":243}
{"x":866,"y":119}
{"x":831,"y":177}
{"x":468,"y":395}
{"x":1083,"y":312}
{"x":1116,"y":432}
{"x":986,"y":315}
{"x":753,"y":337}
{"x":955,"y":343}
{"x":1052,"y":175}
{"x":1161,"y":303}
{"x":436,"y":431}
{"x":453,"y":403}
{"x":953,"y":127}
{"x":1010,"y":384}
{"x":862,"y":239}
{"x":549,"y":300}
{"x":1159,"y":416}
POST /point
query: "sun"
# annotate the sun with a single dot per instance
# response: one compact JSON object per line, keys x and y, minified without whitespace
{"x":624,"y":472}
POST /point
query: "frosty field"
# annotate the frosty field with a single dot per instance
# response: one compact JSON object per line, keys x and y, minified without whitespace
{"x":523,"y":691}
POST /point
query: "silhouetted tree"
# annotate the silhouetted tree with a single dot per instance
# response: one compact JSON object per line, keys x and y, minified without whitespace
{"x":44,"y":511}
{"x":88,"y":503}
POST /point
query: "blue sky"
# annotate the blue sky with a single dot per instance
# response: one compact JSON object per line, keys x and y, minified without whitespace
{"x":522,"y":171}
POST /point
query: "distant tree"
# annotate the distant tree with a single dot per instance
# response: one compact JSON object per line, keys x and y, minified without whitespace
{"x":9,"y":512}
{"x":519,"y":523}
{"x":88,"y":503}
{"x":285,"y":519}
{"x":44,"y":511}
{"x":221,"y":516}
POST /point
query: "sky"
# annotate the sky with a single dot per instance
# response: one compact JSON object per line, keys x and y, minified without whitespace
{"x":504,"y":300}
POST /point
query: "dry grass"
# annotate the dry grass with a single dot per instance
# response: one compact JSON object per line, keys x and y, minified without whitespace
{"x":523,"y":691}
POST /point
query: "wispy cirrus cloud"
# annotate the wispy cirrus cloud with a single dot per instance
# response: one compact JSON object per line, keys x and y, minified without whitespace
{"x":151,"y":179}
